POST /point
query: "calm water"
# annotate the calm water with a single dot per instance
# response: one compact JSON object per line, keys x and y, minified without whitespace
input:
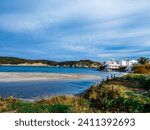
{"x":32,"y":90}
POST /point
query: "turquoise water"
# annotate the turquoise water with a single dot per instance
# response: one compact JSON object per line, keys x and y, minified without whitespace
{"x":47,"y":69}
{"x":40,"y":89}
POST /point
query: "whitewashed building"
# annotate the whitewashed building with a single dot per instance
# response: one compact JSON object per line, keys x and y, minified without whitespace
{"x":114,"y":65}
{"x":127,"y":62}
{"x":122,"y":62}
{"x":111,"y":65}
{"x":131,"y":62}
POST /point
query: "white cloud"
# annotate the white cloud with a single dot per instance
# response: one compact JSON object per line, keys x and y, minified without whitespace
{"x":47,"y":12}
{"x":92,"y":27}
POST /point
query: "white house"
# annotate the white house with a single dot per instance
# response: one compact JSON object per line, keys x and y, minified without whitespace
{"x":131,"y":62}
{"x":122,"y":62}
{"x":114,"y":65}
{"x":127,"y":62}
{"x":111,"y":65}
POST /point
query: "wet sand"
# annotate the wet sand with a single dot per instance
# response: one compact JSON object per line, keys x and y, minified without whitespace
{"x":20,"y":77}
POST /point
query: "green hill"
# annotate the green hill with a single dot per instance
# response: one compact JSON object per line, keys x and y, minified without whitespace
{"x":17,"y":61}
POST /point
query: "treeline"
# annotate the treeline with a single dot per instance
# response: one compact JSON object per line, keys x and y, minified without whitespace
{"x":16,"y":61}
{"x":81,"y":63}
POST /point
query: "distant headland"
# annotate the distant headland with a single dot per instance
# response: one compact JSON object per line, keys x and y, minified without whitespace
{"x":13,"y":61}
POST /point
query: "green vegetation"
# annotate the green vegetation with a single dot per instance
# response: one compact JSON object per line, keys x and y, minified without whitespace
{"x":101,"y":68}
{"x":130,"y":93}
{"x":81,"y":63}
{"x":143,"y":67}
{"x":16,"y":61}
{"x":13,"y":105}
{"x":122,"y":68}
{"x":143,"y":60}
{"x":138,"y":80}
{"x":61,"y":104}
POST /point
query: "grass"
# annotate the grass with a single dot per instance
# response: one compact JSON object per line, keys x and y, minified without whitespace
{"x":59,"y":104}
{"x":13,"y":105}
{"x":116,"y":98}
{"x":128,"y":93}
{"x":139,"y":80}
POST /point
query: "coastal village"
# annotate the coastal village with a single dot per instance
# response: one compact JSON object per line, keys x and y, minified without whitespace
{"x":115,"y":65}
{"x":109,"y":65}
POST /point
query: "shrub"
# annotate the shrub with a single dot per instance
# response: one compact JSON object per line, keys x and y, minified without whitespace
{"x":116,"y":98}
{"x":122,"y":68}
{"x":78,"y":104}
{"x":40,"y":108}
{"x":143,"y":60}
{"x":144,"y":80}
{"x":59,"y":108}
{"x":3,"y":106}
{"x":141,"y":68}
{"x":28,"y":108}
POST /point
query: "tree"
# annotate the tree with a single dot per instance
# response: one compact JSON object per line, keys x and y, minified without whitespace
{"x":143,"y":60}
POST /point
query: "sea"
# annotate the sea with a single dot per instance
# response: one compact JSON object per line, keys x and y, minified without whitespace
{"x":43,"y":89}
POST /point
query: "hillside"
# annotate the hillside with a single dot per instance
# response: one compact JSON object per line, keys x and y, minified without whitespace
{"x":28,"y":62}
{"x":81,"y":63}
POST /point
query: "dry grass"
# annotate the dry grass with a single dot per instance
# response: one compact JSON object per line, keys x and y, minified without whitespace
{"x":141,"y":68}
{"x":78,"y":104}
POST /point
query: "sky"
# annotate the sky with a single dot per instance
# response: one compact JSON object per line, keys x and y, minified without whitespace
{"x":63,"y":30}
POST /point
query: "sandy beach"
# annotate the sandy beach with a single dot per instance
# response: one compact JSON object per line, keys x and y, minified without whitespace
{"x":19,"y":77}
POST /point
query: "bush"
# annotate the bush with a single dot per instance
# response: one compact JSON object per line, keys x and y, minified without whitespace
{"x":115,"y":98}
{"x":78,"y":104}
{"x":59,"y":108}
{"x":141,"y":68}
{"x":122,"y":68}
{"x":144,"y":80}
{"x":40,"y":108}
{"x":3,"y":106}
{"x":28,"y":108}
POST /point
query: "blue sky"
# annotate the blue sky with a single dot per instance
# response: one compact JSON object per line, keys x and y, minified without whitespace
{"x":75,"y":29}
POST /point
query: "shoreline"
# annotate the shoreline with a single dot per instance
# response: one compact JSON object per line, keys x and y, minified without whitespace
{"x":41,"y":65}
{"x":26,"y":64}
{"x":6,"y":77}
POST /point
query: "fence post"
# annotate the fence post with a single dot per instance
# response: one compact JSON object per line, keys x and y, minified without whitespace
{"x":114,"y":76}
{"x":107,"y":78}
{"x":111,"y":76}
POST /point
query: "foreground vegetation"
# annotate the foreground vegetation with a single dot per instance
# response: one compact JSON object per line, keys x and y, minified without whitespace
{"x":143,"y":67}
{"x":129,"y":93}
